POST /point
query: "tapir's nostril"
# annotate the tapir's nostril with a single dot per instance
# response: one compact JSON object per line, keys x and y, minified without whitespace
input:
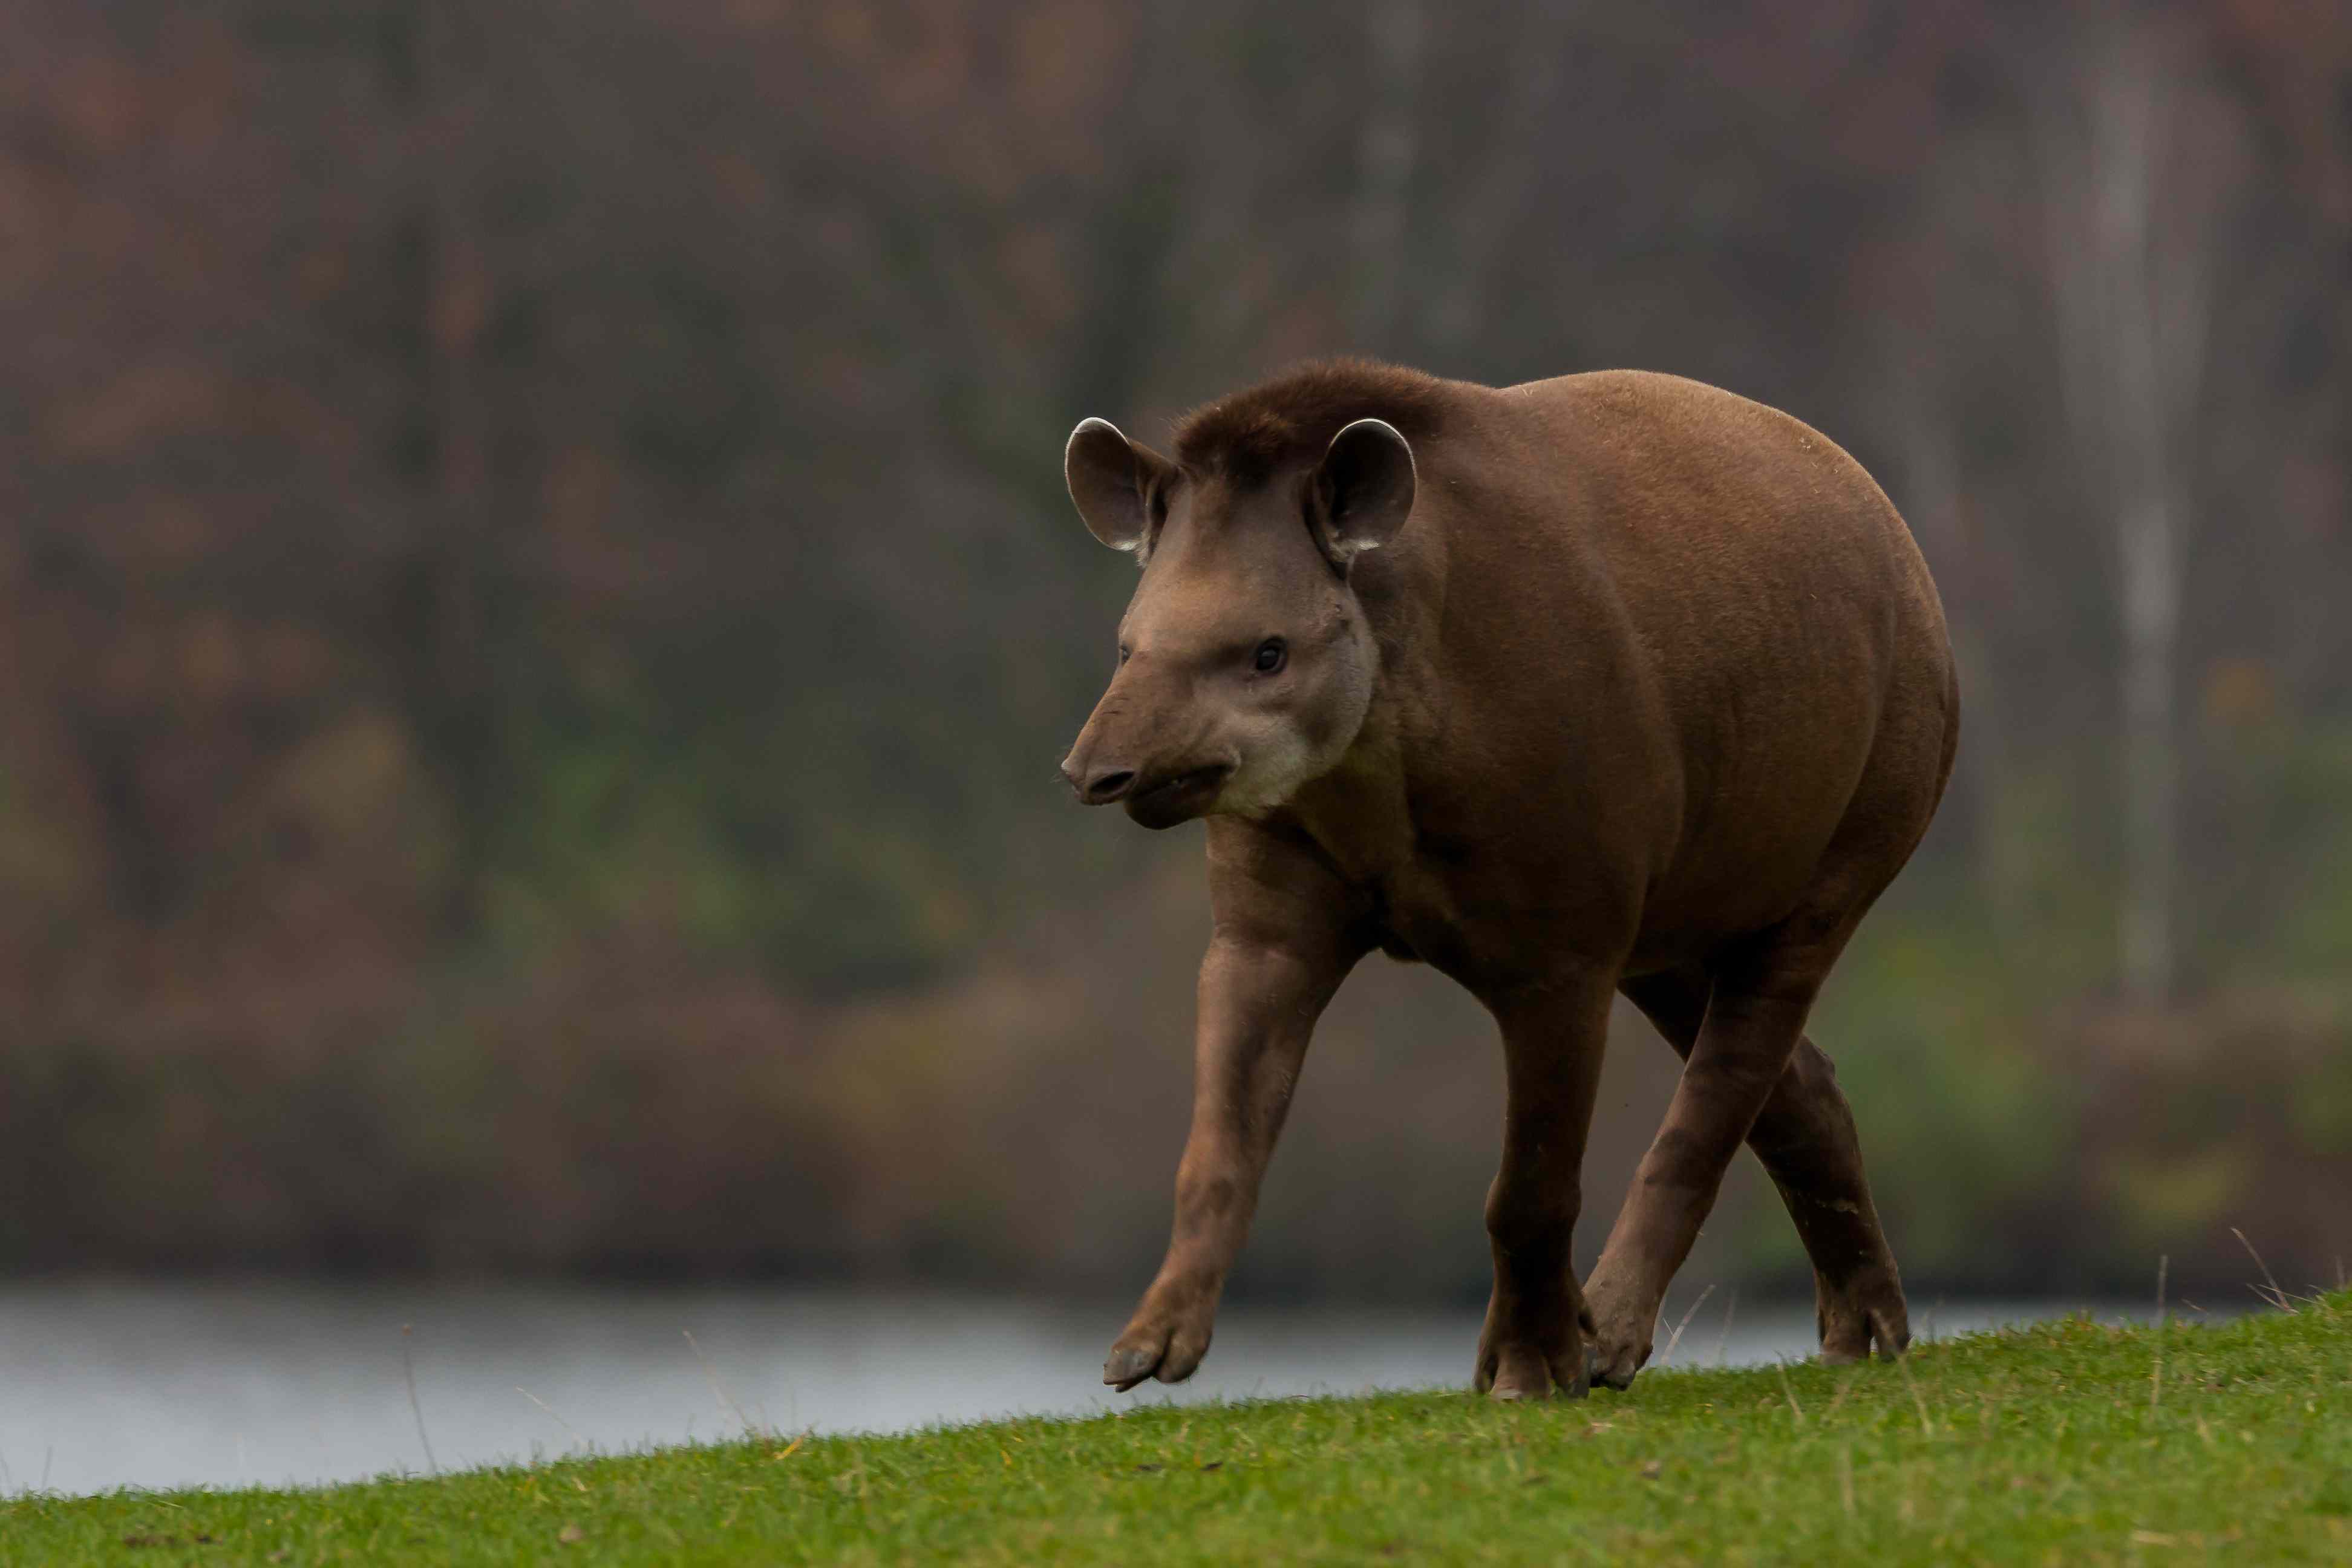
{"x":1106,"y":787}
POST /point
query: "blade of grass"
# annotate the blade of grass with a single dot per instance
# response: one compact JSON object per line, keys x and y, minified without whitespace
{"x":1926,"y":1427}
{"x":409,"y":1370}
{"x":1794,"y":1408}
{"x":1677,"y":1337}
{"x":719,"y":1394}
{"x":2277,"y":1296}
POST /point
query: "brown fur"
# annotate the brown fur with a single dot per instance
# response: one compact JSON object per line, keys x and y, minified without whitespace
{"x":1611,"y":684}
{"x":1246,"y":436}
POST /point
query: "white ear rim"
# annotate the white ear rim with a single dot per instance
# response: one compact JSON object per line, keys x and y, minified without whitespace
{"x":1087,"y":427}
{"x":1362,"y":424}
{"x":1348,"y":550}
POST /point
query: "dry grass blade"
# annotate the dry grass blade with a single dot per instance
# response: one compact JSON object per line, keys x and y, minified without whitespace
{"x":1926,"y":1427}
{"x":718,"y":1393}
{"x":1731,"y":1305}
{"x":1677,"y":1337}
{"x":408,"y":1369}
{"x":577,"y":1441}
{"x":1845,"y":1386}
{"x":2156,"y":1372}
{"x":2277,"y":1296}
{"x":1794,"y":1408}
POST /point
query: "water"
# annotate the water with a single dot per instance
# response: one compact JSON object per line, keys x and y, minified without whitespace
{"x":173,"y":1385}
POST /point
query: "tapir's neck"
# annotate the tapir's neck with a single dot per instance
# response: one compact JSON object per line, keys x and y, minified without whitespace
{"x":1358,"y":814}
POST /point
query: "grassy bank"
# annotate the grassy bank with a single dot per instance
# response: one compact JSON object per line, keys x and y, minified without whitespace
{"x":2064,"y":1442}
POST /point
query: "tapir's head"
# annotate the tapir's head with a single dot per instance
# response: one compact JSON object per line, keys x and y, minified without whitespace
{"x":1246,"y":665}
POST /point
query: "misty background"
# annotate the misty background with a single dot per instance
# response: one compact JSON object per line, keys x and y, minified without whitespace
{"x":538,"y":612}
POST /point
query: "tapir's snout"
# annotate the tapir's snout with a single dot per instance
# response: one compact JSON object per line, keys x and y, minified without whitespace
{"x":1097,"y":784}
{"x":1155,"y":798}
{"x":1160,"y":786}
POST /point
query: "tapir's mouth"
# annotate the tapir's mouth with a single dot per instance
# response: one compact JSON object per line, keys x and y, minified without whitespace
{"x":1179,"y":797}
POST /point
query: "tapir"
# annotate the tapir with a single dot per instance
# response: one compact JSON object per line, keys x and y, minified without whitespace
{"x":1611,"y":684}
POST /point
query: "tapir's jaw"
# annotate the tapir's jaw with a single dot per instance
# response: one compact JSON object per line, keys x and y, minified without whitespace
{"x":1172,"y":798}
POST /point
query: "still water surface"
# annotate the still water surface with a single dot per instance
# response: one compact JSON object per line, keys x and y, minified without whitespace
{"x":147,"y":1385}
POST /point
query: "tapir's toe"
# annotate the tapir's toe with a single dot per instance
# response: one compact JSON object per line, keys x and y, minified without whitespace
{"x":1523,"y":1371}
{"x":1622,"y":1323}
{"x":1519,"y":1374}
{"x":1171,"y":1351}
{"x":1126,"y":1368}
{"x":1617,"y":1356}
{"x":1859,"y":1314}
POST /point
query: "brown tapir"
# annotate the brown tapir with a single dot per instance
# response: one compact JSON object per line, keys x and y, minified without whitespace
{"x":1611,"y":683}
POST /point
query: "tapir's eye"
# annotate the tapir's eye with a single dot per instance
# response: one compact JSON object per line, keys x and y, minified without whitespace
{"x":1123,"y":652}
{"x":1271,"y":655}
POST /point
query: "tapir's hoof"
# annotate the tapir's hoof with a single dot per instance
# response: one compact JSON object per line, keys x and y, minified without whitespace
{"x":1614,"y":1366}
{"x":1124,"y":1369}
{"x":1620,"y":1339}
{"x":1518,"y":1372}
{"x":1866,"y":1313}
{"x":1150,"y":1348}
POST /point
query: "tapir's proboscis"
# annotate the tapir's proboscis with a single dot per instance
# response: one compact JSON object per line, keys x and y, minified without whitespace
{"x":1611,"y":684}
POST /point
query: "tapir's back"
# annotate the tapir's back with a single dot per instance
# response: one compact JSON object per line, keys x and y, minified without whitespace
{"x":1704,"y":619}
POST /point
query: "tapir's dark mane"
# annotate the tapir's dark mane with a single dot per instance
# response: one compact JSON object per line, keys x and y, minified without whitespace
{"x":1246,"y":436}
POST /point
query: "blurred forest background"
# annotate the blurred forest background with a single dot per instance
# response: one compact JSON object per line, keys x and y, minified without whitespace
{"x":538,"y":612}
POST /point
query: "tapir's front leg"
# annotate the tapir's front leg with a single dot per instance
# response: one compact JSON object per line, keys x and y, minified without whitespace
{"x":1283,"y":943}
{"x":1554,"y":1036}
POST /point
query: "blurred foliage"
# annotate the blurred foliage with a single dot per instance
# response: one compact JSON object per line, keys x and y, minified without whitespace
{"x":538,"y":612}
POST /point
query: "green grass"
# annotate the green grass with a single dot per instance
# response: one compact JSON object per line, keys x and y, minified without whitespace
{"x":2063,"y":1443}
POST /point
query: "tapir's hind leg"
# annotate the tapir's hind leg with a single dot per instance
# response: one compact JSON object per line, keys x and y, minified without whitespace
{"x":1805,"y":1137}
{"x":1755,"y":1018}
{"x":1749,"y":1075}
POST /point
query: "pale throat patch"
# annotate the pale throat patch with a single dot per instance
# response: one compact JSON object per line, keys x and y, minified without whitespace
{"x":1267,"y":778}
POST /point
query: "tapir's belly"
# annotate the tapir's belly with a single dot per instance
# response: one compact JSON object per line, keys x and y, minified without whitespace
{"x":1524,"y":885}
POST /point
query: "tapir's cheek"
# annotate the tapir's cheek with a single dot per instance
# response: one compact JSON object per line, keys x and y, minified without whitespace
{"x":1327,"y":714}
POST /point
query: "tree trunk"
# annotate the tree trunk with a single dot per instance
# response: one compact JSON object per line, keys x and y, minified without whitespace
{"x":2129,"y":253}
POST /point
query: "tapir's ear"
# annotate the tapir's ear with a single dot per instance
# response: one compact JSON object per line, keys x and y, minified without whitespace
{"x":1116,"y":482}
{"x":1363,"y":492}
